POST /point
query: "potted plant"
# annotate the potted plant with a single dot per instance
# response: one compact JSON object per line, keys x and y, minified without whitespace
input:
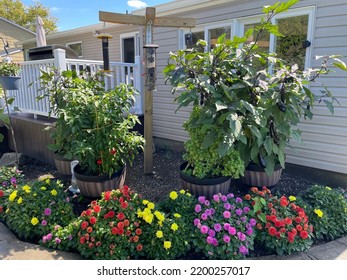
{"x":58,"y":86}
{"x":9,"y":75}
{"x":102,"y":136}
{"x":250,"y":101}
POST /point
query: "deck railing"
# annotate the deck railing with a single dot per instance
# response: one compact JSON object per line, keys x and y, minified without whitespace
{"x":26,"y":97}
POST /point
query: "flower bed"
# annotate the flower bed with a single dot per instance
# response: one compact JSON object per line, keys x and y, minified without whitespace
{"x":123,"y":225}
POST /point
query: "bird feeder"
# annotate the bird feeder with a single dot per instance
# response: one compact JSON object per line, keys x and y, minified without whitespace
{"x":105,"y":37}
{"x":150,"y":65}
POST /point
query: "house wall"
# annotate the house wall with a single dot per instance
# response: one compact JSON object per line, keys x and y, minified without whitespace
{"x":325,"y":145}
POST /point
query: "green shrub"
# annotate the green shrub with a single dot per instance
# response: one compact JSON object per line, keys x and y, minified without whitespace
{"x":327,"y":211}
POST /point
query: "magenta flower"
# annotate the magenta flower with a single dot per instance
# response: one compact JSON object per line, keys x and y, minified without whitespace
{"x":69,"y":237}
{"x":243,"y":250}
{"x":226,"y":226}
{"x":227,"y":206}
{"x":4,"y":184}
{"x":196,"y":222}
{"x":230,"y":195}
{"x":226,"y":214}
{"x":226,"y":238}
{"x":57,"y":240}
{"x":209,"y":239}
{"x":232,"y":230}
{"x":67,"y":199}
{"x":201,"y":199}
{"x":204,"y":229}
{"x":217,"y":227}
{"x":197,"y":208}
{"x":241,"y":236}
{"x":204,"y":216}
{"x":48,"y":211}
{"x":56,"y":227}
{"x":214,"y":242}
{"x":207,"y":203}
{"x":246,"y":209}
{"x":211,"y":233}
{"x":238,"y":200}
{"x":212,"y":211}
{"x":44,"y":223}
{"x":253,"y":222}
{"x":49,"y":236}
{"x":249,"y":231}
{"x":208,"y":212}
{"x":224,"y":198}
{"x":13,"y":181}
{"x":44,"y":239}
{"x":216,"y":197}
{"x":243,"y":219}
{"x":238,"y":212}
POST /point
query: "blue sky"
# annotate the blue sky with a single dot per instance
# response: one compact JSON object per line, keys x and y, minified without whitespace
{"x":77,"y":13}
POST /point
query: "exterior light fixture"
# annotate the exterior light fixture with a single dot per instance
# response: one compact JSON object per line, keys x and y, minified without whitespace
{"x":105,"y":37}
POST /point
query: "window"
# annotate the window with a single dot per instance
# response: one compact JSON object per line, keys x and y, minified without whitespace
{"x":77,"y":47}
{"x":214,"y":33}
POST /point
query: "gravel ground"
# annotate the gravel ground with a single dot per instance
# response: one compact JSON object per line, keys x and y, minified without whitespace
{"x":165,"y":177}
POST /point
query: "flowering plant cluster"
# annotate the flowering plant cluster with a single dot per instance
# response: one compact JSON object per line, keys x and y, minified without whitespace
{"x":167,"y":234}
{"x":10,"y":177}
{"x":31,"y":210}
{"x":327,"y":211}
{"x":224,"y":227}
{"x":109,"y":228}
{"x":282,"y":225}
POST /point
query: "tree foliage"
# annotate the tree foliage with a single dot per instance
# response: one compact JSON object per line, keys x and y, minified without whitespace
{"x":25,"y":16}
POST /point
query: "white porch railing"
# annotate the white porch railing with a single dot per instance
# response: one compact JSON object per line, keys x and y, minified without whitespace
{"x":26,"y":96}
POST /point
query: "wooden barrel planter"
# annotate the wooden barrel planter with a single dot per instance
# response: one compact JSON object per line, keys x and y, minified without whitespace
{"x":94,"y":186}
{"x":204,"y":187}
{"x":62,"y":165}
{"x":255,"y":176}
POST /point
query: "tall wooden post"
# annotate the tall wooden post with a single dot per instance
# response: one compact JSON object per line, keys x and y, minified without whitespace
{"x":148,"y":21}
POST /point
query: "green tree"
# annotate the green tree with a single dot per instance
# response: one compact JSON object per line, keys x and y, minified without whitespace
{"x":25,"y":16}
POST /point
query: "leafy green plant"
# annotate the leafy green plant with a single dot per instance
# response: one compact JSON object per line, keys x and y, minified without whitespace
{"x":282,"y":225}
{"x":250,"y":101}
{"x":224,"y":227}
{"x":327,"y":211}
{"x":32,"y":209}
{"x":9,"y":68}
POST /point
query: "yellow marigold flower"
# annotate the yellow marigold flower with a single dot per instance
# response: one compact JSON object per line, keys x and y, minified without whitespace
{"x":13,"y":196}
{"x":328,"y":188}
{"x":174,"y":227}
{"x":159,"y":216}
{"x":139,"y":213}
{"x":48,"y":181}
{"x":43,"y":188}
{"x":292,"y":198}
{"x":159,"y":234}
{"x":173,"y":195}
{"x":167,"y":245}
{"x":176,"y":215}
{"x":20,"y":200}
{"x":150,"y":205}
{"x":26,"y":188}
{"x":147,"y":211}
{"x":188,"y":194}
{"x":34,"y":221}
{"x":182,"y":191}
{"x":145,"y":202}
{"x":54,"y":192}
{"x":148,"y":218}
{"x":319,"y":213}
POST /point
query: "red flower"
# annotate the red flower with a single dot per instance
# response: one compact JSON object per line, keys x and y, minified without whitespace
{"x":136,"y":238}
{"x":259,"y":226}
{"x":120,"y":216}
{"x":124,"y":205}
{"x":89,"y":229}
{"x":107,"y":195}
{"x":1,"y":209}
{"x":97,"y":208}
{"x":248,"y":197}
{"x":138,"y":231}
{"x":267,"y":225}
{"x":110,"y":214}
{"x":272,"y":231}
{"x":86,"y":236}
{"x":270,"y":205}
{"x":120,"y":225}
{"x":114,"y":230}
{"x":139,"y":247}
{"x":291,"y":237}
{"x":1,"y":193}
{"x":93,"y":203}
{"x":273,"y":218}
{"x":84,"y":225}
{"x":283,"y":201}
{"x":294,"y":231}
{"x":128,"y":232}
{"x":304,"y":234}
{"x":282,"y":230}
{"x":299,"y":227}
{"x":126,"y":223}
{"x":88,"y":212}
{"x":113,"y":151}
{"x":91,"y":245}
{"x":97,"y":244}
{"x":99,"y":162}
{"x":120,"y":231}
{"x":82,"y":240}
{"x":288,"y":221}
{"x":278,"y":224}
{"x":92,"y":220}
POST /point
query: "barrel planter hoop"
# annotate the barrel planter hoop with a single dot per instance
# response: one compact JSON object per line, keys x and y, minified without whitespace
{"x":256,"y":176}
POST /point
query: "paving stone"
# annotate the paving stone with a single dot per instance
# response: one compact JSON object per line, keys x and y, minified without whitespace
{"x":342,"y":240}
{"x":329,"y":251}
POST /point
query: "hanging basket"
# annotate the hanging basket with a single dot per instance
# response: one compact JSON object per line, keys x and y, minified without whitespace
{"x":10,"y":82}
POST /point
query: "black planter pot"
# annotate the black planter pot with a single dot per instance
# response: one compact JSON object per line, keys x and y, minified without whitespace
{"x":256,"y":176}
{"x":94,"y":186}
{"x":204,"y":187}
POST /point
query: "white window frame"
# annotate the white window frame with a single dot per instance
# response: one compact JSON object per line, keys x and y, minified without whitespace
{"x":78,"y":42}
{"x":136,"y":36}
{"x":310,"y":11}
